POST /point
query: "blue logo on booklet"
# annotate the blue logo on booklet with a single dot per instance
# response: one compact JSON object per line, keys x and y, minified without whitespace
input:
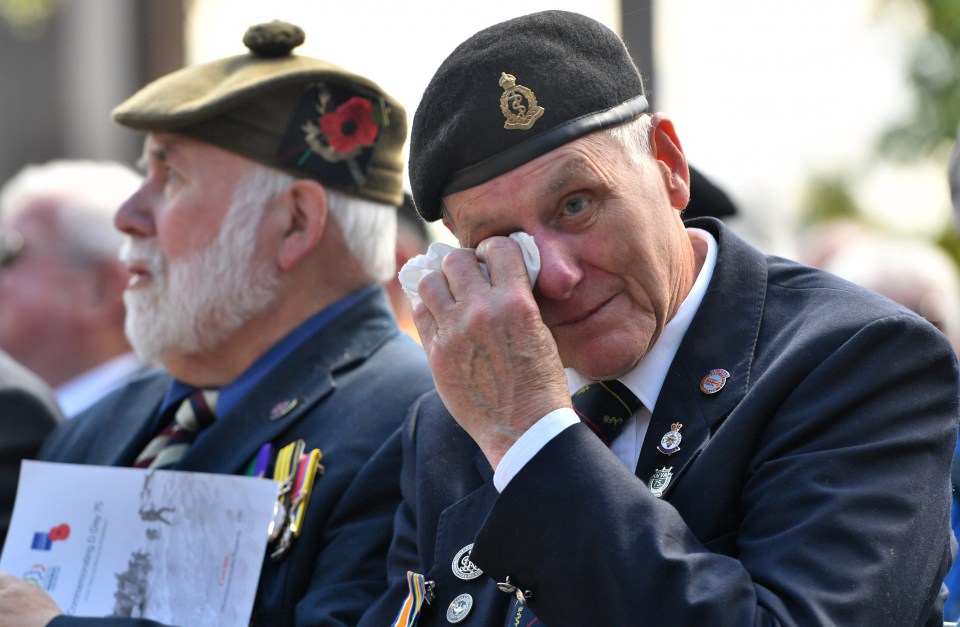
{"x":41,"y":541}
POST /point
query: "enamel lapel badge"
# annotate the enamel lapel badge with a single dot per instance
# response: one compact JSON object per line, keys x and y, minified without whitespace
{"x":670,"y":442}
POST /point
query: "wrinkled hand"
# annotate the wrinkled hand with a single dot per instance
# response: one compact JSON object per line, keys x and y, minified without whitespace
{"x":494,"y":361}
{"x":23,"y":604}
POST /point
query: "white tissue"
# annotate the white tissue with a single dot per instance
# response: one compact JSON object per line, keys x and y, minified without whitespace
{"x":415,"y":268}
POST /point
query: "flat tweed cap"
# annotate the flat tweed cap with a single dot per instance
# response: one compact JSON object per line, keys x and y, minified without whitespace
{"x":513,"y":92}
{"x":302,"y":115}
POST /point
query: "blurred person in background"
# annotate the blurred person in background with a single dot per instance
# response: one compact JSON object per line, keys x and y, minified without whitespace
{"x":707,"y":199}
{"x":911,"y":271}
{"x":28,"y":412}
{"x":61,"y":280}
{"x":412,"y":240}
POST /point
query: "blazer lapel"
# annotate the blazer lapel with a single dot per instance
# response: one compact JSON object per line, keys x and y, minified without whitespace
{"x":451,"y":566}
{"x":722,"y":335}
{"x":132,"y":423}
{"x":262,"y":416}
{"x":288,"y":393}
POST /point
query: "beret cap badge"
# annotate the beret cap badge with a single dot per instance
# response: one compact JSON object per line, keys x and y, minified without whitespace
{"x":519,"y":115}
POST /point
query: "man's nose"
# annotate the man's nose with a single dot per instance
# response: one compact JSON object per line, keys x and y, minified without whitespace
{"x":135,"y":216}
{"x":560,"y":269}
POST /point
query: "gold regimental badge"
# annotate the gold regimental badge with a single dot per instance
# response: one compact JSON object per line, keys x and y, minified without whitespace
{"x":518,"y":104}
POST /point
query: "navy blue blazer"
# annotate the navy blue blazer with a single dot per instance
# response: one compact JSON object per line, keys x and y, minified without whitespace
{"x":812,"y":489}
{"x":354,"y":382}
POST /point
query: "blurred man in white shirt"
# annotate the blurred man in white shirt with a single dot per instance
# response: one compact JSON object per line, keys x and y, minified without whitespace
{"x":61,"y":282}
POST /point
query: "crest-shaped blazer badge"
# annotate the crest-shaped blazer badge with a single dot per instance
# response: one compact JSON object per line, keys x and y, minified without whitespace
{"x":660,"y":480}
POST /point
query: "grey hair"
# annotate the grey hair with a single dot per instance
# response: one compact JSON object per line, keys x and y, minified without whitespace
{"x":88,"y":194}
{"x":633,"y":137}
{"x":370,"y":231}
{"x":369,"y":228}
{"x":252,"y":194}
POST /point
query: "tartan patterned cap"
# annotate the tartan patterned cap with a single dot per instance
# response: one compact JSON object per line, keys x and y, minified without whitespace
{"x":513,"y":92}
{"x":302,"y":115}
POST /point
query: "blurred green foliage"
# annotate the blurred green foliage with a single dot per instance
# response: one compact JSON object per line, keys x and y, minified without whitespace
{"x":948,"y":240}
{"x":928,"y":131}
{"x":828,"y":197}
{"x":933,"y":71}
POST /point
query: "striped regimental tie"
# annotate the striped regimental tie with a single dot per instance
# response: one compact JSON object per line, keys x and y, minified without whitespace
{"x":195,"y":413}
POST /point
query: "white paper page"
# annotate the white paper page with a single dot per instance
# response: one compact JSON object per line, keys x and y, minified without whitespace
{"x":182,"y":548}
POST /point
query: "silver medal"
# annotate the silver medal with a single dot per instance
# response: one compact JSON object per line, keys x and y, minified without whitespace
{"x":459,"y":608}
{"x":463,"y":568}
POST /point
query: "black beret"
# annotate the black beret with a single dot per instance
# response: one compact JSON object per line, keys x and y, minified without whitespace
{"x":298,"y":114}
{"x":407,"y":212}
{"x":706,"y":199}
{"x":513,"y":92}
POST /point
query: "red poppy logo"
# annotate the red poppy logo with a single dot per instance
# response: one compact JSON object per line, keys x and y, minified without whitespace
{"x":350,"y":125}
{"x":60,"y":532}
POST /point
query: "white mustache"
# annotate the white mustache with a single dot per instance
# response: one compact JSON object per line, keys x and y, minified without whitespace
{"x":144,"y":253}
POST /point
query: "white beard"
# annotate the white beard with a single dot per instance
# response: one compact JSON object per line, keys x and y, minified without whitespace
{"x":197,"y":302}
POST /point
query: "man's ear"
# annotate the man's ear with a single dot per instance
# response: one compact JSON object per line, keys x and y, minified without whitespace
{"x":447,"y":223}
{"x":670,"y":158}
{"x":306,"y":210}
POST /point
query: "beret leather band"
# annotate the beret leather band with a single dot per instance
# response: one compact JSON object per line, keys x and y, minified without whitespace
{"x":541,"y":144}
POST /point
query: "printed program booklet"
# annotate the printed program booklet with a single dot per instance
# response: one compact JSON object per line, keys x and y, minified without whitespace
{"x":182,"y":548}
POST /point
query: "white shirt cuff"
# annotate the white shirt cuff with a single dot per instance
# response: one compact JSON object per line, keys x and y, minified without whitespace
{"x":530,"y":443}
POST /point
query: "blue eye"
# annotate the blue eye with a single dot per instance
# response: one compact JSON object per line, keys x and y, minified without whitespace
{"x":575,"y":205}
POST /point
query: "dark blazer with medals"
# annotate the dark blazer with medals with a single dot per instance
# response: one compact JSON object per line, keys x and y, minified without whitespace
{"x":353,"y":383}
{"x":28,"y":413}
{"x":811,"y":489}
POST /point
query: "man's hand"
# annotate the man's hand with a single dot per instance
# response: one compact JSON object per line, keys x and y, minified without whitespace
{"x":23,"y":604}
{"x":494,"y":361}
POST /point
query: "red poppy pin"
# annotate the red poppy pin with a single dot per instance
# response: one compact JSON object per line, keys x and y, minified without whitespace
{"x":60,"y":532}
{"x":350,"y":126}
{"x":333,"y":133}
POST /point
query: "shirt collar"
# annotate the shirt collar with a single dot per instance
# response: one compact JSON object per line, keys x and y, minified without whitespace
{"x":647,"y":377}
{"x":80,"y":392}
{"x":232,"y":393}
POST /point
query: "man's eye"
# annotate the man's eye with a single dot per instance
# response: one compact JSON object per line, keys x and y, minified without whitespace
{"x":576,"y":205}
{"x":170,"y":174}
